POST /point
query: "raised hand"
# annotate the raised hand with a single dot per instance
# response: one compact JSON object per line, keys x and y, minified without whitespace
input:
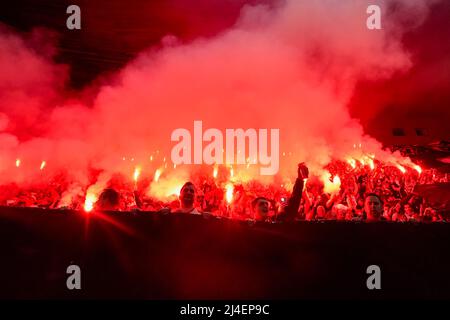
{"x":303,"y":171}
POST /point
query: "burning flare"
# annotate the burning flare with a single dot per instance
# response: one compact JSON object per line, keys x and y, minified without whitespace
{"x":352,"y":163}
{"x":229,"y":192}
{"x":401,"y":168}
{"x":418,"y":168}
{"x":157,"y":175}
{"x":137,"y":172}
{"x":331,"y":187}
{"x":89,"y":202}
{"x":371,"y":164}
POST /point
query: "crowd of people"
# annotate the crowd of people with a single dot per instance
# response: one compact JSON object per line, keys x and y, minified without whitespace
{"x":366,"y":193}
{"x":383,"y":193}
{"x":391,"y":189}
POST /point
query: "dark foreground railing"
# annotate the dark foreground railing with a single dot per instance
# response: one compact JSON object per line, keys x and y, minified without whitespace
{"x":152,"y":256}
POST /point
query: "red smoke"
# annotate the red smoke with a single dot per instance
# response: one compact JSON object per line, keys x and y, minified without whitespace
{"x":292,"y":67}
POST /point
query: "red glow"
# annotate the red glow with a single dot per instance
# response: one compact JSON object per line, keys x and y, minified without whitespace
{"x":271,"y":79}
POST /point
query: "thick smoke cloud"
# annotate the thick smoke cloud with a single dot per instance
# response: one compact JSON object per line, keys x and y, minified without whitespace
{"x":293,"y":67}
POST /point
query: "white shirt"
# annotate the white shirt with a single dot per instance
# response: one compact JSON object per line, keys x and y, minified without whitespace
{"x":190,"y":211}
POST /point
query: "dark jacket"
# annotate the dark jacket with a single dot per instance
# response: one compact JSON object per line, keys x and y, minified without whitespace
{"x":290,"y":212}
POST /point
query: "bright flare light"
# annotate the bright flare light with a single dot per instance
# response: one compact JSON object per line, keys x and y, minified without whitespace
{"x":401,"y":168}
{"x":43,"y":165}
{"x":371,"y":164}
{"x":137,"y":172}
{"x":418,"y":168}
{"x":216,"y":170}
{"x":337,"y":180}
{"x":89,"y":202}
{"x":18,"y":163}
{"x":175,"y":191}
{"x":229,"y":192}
{"x":157,"y":175}
{"x":331,"y":187}
{"x":352,"y":163}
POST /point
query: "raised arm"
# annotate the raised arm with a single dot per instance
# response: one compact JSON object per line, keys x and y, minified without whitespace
{"x":291,"y":210}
